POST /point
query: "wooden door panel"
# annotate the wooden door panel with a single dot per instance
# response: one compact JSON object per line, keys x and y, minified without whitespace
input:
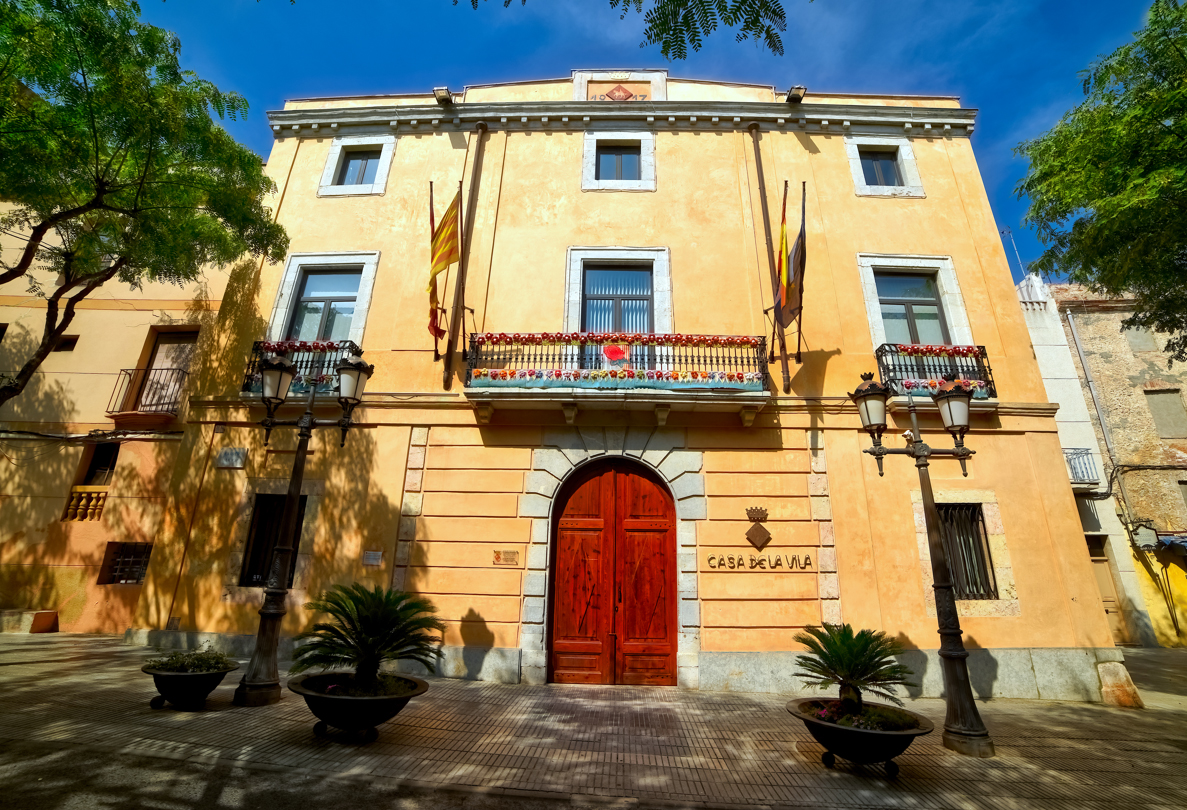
{"x":583,"y":586}
{"x":646,"y":581}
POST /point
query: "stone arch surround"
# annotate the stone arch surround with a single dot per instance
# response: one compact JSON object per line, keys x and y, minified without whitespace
{"x":563,"y":451}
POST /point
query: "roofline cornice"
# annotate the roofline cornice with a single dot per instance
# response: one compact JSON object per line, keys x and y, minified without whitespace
{"x":834,"y":118}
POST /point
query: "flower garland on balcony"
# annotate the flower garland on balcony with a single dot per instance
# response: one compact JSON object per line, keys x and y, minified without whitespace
{"x":928,"y":350}
{"x":286,"y":346}
{"x":617,"y":374}
{"x":933,"y":385}
{"x":600,"y":338}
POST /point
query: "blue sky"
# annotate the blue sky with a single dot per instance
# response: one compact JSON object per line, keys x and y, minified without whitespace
{"x":1016,"y":61}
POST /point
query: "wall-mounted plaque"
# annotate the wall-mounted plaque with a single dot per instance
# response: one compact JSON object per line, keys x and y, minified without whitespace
{"x":231,"y":458}
{"x":505,"y":557}
{"x":372,"y":558}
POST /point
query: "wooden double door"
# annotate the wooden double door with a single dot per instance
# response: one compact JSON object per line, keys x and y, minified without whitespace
{"x":614,"y":579}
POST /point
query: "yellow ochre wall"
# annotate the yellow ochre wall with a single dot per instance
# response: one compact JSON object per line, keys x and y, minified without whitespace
{"x":436,"y":491}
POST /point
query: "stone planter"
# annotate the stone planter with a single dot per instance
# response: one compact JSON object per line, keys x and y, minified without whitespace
{"x":357,"y":714}
{"x":860,"y":745}
{"x":185,"y":690}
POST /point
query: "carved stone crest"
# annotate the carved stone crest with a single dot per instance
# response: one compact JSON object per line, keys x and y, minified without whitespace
{"x":757,"y":534}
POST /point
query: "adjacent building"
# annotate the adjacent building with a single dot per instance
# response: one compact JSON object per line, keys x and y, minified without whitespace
{"x":610,"y":482}
{"x":1123,"y":425}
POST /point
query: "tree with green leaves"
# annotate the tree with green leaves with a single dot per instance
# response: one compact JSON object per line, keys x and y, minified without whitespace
{"x":111,"y":164}
{"x":677,"y":25}
{"x":1107,"y":185}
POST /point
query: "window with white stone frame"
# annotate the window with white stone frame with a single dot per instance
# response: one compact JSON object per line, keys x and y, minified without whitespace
{"x":577,"y":302}
{"x":357,"y":164}
{"x":883,"y":167}
{"x":941,"y":274}
{"x":618,"y":161}
{"x":297,"y":301}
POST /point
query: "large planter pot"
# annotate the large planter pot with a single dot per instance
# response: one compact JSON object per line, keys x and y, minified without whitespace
{"x":860,"y":745}
{"x":358,"y":714}
{"x":185,"y":690}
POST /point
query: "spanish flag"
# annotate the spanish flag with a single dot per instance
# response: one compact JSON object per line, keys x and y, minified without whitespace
{"x":791,"y":264}
{"x":445,"y":251}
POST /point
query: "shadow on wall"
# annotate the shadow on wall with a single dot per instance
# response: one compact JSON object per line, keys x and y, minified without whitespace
{"x":983,"y":669}
{"x":38,"y":567}
{"x":477,"y":641}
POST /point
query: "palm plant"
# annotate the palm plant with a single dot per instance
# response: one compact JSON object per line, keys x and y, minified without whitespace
{"x":369,"y":627}
{"x":861,"y":662}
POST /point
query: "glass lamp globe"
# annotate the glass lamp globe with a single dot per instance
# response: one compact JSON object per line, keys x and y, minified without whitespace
{"x":276,"y":375}
{"x":870,"y":398}
{"x":353,"y":374}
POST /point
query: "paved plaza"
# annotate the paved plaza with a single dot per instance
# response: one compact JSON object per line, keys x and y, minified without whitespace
{"x":76,"y":731}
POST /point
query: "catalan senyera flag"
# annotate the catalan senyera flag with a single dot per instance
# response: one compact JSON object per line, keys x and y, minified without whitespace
{"x":790,"y":264}
{"x":446,"y":250}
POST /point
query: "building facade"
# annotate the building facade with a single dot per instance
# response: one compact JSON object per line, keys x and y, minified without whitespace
{"x":1122,"y":424}
{"x":612,"y":484}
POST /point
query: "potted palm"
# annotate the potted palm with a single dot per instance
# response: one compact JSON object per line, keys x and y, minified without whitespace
{"x":850,"y":727}
{"x":366,"y":628}
{"x":186,"y":679}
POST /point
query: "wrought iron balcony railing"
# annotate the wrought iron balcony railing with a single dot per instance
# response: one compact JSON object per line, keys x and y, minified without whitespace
{"x":921,"y":369}
{"x":616,"y":361}
{"x":315,"y":359}
{"x":1081,"y":465}
{"x":148,"y":390}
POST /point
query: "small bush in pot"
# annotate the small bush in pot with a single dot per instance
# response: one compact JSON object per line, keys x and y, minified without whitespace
{"x":186,"y":678}
{"x":366,"y":629}
{"x":856,"y":663}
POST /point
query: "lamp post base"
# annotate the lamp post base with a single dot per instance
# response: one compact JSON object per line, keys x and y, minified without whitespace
{"x":980,"y":745}
{"x":257,"y":694}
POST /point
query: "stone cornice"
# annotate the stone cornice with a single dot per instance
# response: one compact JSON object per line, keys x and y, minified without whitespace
{"x":569,"y":115}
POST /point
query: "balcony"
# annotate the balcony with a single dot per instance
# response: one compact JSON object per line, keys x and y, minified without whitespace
{"x":315,"y":359}
{"x":920,"y":369}
{"x":662,"y":373}
{"x":85,"y":503}
{"x":1081,"y":467}
{"x":146,"y":397}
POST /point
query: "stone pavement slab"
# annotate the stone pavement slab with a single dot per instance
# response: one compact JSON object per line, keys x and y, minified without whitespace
{"x":70,"y":700}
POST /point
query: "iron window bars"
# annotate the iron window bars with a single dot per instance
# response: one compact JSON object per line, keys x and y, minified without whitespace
{"x":966,"y":540}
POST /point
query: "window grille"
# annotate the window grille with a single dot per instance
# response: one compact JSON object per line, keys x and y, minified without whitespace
{"x":125,"y":563}
{"x":966,"y":542}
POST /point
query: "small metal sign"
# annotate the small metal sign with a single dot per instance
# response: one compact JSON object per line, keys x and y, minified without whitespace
{"x":372,"y":558}
{"x":231,"y":458}
{"x":505,"y":557}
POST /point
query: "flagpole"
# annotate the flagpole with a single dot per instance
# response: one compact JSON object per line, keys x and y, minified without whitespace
{"x":766,"y":221}
{"x":432,"y":231}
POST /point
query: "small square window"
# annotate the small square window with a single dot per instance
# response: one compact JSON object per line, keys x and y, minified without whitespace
{"x":66,"y":343}
{"x":911,"y":311}
{"x":880,"y":167}
{"x":359,"y":167}
{"x":101,"y":466}
{"x":3,"y":330}
{"x":125,"y":563}
{"x":619,"y":162}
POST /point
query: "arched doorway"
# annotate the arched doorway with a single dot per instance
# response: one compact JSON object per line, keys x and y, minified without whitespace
{"x":614,"y":578}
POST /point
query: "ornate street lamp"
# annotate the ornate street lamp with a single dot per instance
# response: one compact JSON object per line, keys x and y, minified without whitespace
{"x":261,"y":683}
{"x":964,"y":731}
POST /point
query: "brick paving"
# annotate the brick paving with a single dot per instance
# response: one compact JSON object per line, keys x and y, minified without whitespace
{"x":649,"y":745}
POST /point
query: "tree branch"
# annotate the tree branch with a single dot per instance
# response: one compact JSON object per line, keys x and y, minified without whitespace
{"x":41,"y":229}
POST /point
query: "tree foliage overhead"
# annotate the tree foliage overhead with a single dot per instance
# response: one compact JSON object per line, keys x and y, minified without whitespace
{"x":1107,"y":185}
{"x":111,"y":163}
{"x":677,"y":25}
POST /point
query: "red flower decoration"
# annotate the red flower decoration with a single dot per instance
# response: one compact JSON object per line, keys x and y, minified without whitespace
{"x":613,"y":352}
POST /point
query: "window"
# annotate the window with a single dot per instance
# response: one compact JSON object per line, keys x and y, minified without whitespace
{"x":168,"y":367}
{"x":262,"y":539}
{"x":616,"y":299}
{"x":325,"y":305}
{"x":883,"y":167}
{"x":880,"y":167}
{"x":1141,"y":340}
{"x":66,"y":343}
{"x":3,"y":330}
{"x":101,"y":465}
{"x":966,"y":542}
{"x":125,"y":563}
{"x":359,"y":167}
{"x":618,"y":162}
{"x":1183,"y":491}
{"x":911,"y":311}
{"x":1170,"y":418}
